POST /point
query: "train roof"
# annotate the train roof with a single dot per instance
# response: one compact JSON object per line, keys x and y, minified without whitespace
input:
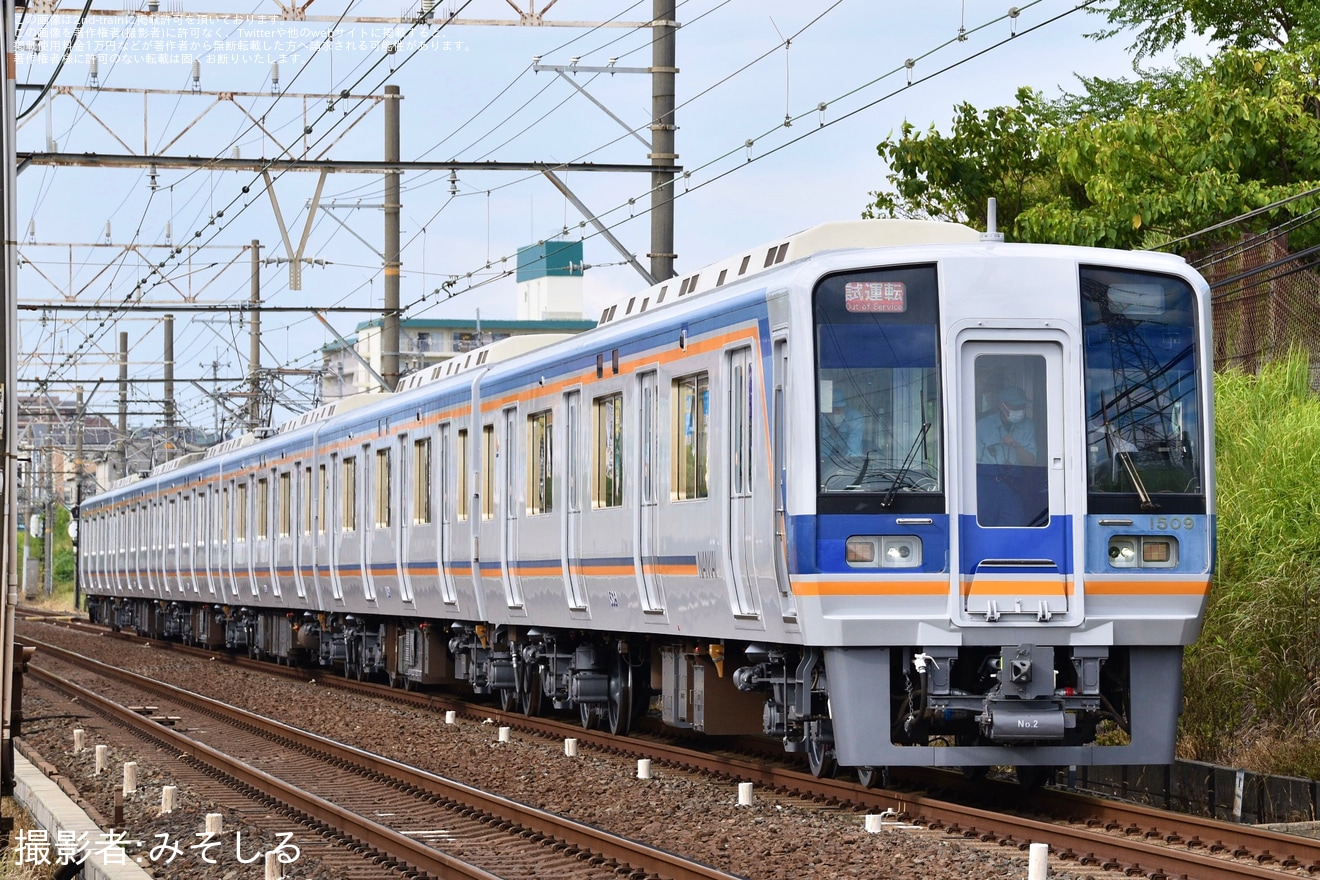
{"x":500,"y":350}
{"x":840,"y":235}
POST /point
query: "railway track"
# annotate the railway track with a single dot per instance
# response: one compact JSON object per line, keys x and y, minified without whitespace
{"x":1091,"y":835}
{"x":337,"y":788}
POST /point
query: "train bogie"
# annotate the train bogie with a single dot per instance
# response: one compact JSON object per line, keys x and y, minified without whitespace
{"x":885,"y":491}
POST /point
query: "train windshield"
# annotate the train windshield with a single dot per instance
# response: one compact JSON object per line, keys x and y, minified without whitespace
{"x":878,"y":390}
{"x":1144,"y":414}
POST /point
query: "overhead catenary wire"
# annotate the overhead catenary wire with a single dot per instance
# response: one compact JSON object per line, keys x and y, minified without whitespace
{"x":143,"y":287}
{"x":630,"y":205}
{"x":691,"y":186}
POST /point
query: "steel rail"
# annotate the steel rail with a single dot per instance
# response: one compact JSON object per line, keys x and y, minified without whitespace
{"x":654,"y":861}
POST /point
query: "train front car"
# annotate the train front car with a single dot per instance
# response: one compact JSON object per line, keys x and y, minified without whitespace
{"x":1009,"y":537}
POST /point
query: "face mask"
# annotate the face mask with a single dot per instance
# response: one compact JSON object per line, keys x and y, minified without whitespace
{"x":1015,"y":415}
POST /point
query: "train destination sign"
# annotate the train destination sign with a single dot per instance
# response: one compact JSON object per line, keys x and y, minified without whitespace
{"x":875,"y":296}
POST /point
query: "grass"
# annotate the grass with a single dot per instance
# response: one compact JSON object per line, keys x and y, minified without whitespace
{"x":11,"y":866}
{"x":1252,"y":681}
{"x":62,"y":569}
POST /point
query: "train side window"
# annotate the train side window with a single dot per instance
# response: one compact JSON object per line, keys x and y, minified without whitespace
{"x":241,"y":512}
{"x":185,"y":521}
{"x":349,"y":496}
{"x":263,"y":509}
{"x":461,"y":497}
{"x":540,"y":452}
{"x":487,"y":471}
{"x":224,"y":516}
{"x":285,"y":523}
{"x":607,"y":452}
{"x":421,"y":481}
{"x":691,"y":439}
{"x":382,"y":488}
{"x":322,"y":493}
{"x":169,"y":527}
{"x":305,"y":498}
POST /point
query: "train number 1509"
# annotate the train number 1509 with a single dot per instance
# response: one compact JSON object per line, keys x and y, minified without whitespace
{"x":1172,"y":523}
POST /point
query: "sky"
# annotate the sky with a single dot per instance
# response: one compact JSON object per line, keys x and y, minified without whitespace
{"x":469,"y":94}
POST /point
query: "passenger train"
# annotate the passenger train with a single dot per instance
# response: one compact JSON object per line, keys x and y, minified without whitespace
{"x":895,"y":492}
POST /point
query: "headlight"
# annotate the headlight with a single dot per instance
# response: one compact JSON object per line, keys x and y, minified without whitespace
{"x":884,"y":551}
{"x":1143,"y":551}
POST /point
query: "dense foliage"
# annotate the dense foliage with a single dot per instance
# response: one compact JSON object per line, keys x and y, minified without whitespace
{"x":1258,"y":24}
{"x":1252,"y":696}
{"x":1124,"y":164}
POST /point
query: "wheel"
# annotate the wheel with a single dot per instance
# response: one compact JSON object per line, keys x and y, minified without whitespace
{"x":619,"y":706}
{"x":874,"y":777}
{"x":820,"y":749}
{"x":1032,"y":777}
{"x":588,"y":714}
{"x":531,"y":691}
{"x":969,"y":772}
{"x":509,"y":701}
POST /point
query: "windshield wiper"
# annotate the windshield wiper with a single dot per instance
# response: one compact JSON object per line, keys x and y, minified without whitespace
{"x":861,"y":474}
{"x":1124,"y":455}
{"x":888,"y":500}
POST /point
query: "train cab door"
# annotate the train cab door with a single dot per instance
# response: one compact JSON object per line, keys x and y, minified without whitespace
{"x":574,"y":450}
{"x":741,"y":535}
{"x":1015,"y":560}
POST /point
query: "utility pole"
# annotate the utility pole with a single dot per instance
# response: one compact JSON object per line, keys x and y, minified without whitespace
{"x":77,"y":495}
{"x":9,"y":237}
{"x":254,"y":342}
{"x":389,"y":325}
{"x":169,"y":373}
{"x":48,"y":528}
{"x":171,"y":439}
{"x":663,"y":66}
{"x":123,"y":403}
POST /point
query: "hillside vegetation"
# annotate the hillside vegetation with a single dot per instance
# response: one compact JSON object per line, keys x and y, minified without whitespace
{"x":1252,"y":698}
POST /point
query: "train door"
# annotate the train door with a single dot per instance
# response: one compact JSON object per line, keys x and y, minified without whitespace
{"x":445,"y":506}
{"x":648,"y":478}
{"x":221,"y":543}
{"x":379,"y":548}
{"x":466,"y":548}
{"x":573,"y":454}
{"x":509,"y":521}
{"x":1014,"y":536}
{"x":188,"y":513}
{"x":740,"y":538}
{"x":303,"y":509}
{"x":779,"y":481}
{"x":335,"y":510}
{"x":414,"y":507}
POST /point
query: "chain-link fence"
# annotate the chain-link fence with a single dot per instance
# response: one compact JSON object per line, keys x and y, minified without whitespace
{"x":1265,"y":301}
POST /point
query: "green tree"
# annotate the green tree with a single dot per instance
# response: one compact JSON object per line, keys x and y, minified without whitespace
{"x":1240,"y":24}
{"x":1123,"y":164}
{"x":995,"y":153}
